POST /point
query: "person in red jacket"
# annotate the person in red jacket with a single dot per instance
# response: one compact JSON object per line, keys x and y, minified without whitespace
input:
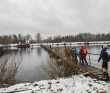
{"x":65,"y":51}
{"x":83,"y":53}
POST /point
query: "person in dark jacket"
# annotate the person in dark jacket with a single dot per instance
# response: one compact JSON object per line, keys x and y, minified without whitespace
{"x":83,"y":57}
{"x":104,"y":57}
{"x":74,"y":54}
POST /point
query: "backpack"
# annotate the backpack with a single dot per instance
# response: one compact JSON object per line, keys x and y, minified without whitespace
{"x":68,"y":51}
{"x":84,"y":51}
{"x":108,"y":53}
{"x":74,"y":52}
{"x":78,"y":53}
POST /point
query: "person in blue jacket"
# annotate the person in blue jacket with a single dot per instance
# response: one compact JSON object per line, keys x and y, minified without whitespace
{"x":1,"y":48}
{"x":105,"y":59}
{"x":78,"y":53}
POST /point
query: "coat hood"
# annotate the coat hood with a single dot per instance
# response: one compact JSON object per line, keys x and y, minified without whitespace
{"x":79,"y":48}
{"x":105,"y":49}
{"x":82,"y":46}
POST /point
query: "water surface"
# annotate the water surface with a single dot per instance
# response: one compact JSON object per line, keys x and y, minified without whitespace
{"x":34,"y":58}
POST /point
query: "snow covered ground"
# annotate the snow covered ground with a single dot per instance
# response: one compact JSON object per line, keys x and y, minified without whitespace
{"x":74,"y":84}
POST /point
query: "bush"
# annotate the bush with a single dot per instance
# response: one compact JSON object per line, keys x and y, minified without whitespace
{"x":8,"y":70}
{"x":53,"y":70}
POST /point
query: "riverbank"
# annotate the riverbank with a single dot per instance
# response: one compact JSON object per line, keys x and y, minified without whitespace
{"x":74,"y":84}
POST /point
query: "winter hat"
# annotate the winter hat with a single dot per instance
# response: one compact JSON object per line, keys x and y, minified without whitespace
{"x":105,"y":46}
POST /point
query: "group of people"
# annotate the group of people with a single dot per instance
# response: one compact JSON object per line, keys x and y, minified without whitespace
{"x":82,"y":53}
{"x":72,"y":53}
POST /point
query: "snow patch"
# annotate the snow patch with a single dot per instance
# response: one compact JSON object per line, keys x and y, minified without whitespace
{"x":74,"y":84}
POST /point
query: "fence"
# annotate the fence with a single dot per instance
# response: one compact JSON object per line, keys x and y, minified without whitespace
{"x":91,"y":60}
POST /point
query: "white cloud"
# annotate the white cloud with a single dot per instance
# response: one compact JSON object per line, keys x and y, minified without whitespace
{"x":54,"y":17}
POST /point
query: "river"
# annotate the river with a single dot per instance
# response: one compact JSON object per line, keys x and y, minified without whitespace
{"x":33,"y":58}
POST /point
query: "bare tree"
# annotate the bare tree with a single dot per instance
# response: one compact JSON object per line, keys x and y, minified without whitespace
{"x":28,"y":37}
{"x":38,"y":37}
{"x":8,"y":69}
{"x":15,"y":39}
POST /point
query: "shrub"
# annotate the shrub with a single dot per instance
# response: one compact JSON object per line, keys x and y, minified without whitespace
{"x":53,"y":70}
{"x":8,"y":69}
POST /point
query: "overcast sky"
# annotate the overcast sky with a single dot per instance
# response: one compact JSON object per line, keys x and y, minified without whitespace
{"x":54,"y":17}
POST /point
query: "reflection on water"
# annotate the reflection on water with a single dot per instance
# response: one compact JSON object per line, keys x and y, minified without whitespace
{"x":30,"y":67}
{"x":39,"y":51}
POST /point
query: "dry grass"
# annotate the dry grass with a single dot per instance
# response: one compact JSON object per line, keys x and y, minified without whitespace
{"x":8,"y":69}
{"x":53,"y":71}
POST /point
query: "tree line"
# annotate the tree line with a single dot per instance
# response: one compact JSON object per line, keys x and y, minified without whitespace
{"x":81,"y":37}
{"x":12,"y":39}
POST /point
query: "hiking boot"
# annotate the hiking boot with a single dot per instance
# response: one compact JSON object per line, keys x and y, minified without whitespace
{"x":107,"y":76}
{"x":103,"y":75}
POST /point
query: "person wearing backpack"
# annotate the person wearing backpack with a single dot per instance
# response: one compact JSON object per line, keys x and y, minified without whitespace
{"x":104,"y":57}
{"x":78,"y":53}
{"x":68,"y":52}
{"x":65,"y":51}
{"x":83,"y":53}
{"x":74,"y":55}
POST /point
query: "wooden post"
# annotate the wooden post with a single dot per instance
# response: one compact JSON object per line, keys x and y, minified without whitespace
{"x":89,"y":59}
